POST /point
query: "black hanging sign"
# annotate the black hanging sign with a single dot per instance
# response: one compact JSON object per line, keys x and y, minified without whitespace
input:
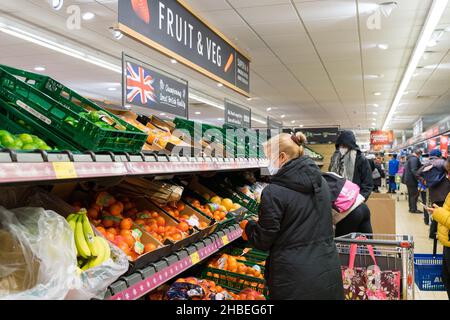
{"x":149,"y":87}
{"x":237,"y":115}
{"x":172,"y":28}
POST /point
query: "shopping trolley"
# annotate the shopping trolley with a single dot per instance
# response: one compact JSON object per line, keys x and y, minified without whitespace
{"x":393,"y":252}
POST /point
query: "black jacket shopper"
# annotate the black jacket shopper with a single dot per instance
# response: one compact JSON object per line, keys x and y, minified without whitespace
{"x":295,"y":225}
{"x":362,"y":175}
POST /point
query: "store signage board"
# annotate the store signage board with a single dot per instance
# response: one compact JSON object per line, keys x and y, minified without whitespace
{"x":172,"y":28}
{"x":444,"y":140}
{"x":320,"y":135}
{"x":381,"y":137}
{"x":148,"y":87}
{"x":237,"y":115}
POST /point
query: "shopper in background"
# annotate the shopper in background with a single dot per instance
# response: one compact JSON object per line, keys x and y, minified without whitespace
{"x":377,"y":172}
{"x":410,"y":179}
{"x":349,"y":162}
{"x":442,"y":216}
{"x":295,"y":226}
{"x":393,"y":170}
{"x":439,"y":189}
{"x":379,"y":167}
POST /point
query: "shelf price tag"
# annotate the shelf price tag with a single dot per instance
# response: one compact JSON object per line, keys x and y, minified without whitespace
{"x":195,"y":258}
{"x":64,"y":170}
{"x":225,"y":240}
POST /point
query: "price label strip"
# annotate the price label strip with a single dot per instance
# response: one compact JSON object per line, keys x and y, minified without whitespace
{"x":64,"y":170}
{"x":195,"y":258}
{"x":225,"y":240}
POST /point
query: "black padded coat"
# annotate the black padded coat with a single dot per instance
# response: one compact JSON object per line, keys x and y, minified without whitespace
{"x":295,"y":226}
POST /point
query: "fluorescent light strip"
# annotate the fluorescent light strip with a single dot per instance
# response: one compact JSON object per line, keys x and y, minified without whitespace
{"x":434,"y":16}
{"x":206,"y":101}
{"x":33,"y":38}
{"x":259,"y":121}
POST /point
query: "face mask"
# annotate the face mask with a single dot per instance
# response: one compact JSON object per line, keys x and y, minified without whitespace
{"x":273,"y":170}
{"x":343,"y":151}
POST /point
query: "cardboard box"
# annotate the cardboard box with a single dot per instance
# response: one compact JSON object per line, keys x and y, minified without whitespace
{"x":382,"y":213}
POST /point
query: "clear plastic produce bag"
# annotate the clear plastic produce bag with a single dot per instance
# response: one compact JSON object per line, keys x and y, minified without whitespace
{"x":37,"y":255}
{"x":94,"y":282}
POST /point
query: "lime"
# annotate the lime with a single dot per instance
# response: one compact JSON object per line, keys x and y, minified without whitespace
{"x":94,"y":116}
{"x":46,"y":148}
{"x":29,"y":146}
{"x":4,"y":133}
{"x":21,"y":122}
{"x":18,"y":144}
{"x":7,"y":141}
{"x":26,"y":138}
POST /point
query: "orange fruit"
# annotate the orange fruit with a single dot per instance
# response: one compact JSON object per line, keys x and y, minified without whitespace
{"x":110,"y":236}
{"x":161,"y":230}
{"x":203,"y":225}
{"x":133,"y":256}
{"x":161,"y":221}
{"x":242,"y":269}
{"x":107,"y":223}
{"x":177,"y":237}
{"x":125,"y":232}
{"x":116,"y":209}
{"x":126,"y":224}
{"x":101,"y":230}
{"x":222,"y":215}
{"x":112,"y":231}
{"x":140,"y":222}
{"x":183,"y":226}
{"x":124,"y":247}
{"x":149,"y":247}
{"x":129,"y":240}
{"x":93,"y":213}
{"x":155,"y":214}
{"x":180,"y":206}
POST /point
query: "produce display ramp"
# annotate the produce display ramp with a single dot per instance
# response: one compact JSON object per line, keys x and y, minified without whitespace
{"x":138,"y":284}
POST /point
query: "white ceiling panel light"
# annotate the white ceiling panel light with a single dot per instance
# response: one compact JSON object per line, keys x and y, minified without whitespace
{"x":206,"y":101}
{"x":29,"y":34}
{"x":269,"y":109}
{"x":435,"y":38}
{"x":374,"y":76}
{"x":377,"y":93}
{"x":198,"y":113}
{"x":39,"y":68}
{"x":173,"y":61}
{"x":112,"y":89}
{"x":434,"y":16}
{"x":283,"y":116}
{"x":382,"y":46}
{"x":220,"y":85}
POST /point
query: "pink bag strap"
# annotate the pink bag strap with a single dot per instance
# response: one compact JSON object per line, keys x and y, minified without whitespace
{"x":354,"y":249}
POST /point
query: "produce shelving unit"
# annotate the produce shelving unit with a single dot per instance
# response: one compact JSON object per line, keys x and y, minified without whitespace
{"x":138,"y":284}
{"x":50,"y":167}
{"x":28,"y":168}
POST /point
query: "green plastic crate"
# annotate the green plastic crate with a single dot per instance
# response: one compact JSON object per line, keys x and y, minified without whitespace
{"x":234,"y":281}
{"x":51,"y":103}
{"x":221,"y":188}
{"x":10,"y":118}
{"x":253,"y":256}
{"x":229,"y":221}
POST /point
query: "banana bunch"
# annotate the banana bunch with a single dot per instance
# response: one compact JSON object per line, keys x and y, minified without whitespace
{"x":92,"y":251}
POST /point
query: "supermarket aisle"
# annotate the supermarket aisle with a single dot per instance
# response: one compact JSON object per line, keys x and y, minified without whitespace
{"x":412,"y":224}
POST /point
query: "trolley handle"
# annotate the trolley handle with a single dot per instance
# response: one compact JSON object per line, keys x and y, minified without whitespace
{"x":402,"y":244}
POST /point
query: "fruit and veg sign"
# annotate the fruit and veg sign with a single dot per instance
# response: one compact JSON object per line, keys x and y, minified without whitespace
{"x":149,"y":87}
{"x":173,"y":29}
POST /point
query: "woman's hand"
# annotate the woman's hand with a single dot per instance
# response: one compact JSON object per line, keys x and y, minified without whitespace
{"x":431,"y":210}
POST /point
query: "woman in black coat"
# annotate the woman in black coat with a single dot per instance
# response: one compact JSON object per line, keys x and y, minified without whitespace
{"x":295,"y":226}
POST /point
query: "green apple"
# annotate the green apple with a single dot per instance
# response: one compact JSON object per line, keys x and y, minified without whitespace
{"x":7,"y":141}
{"x":26,"y":138}
{"x":29,"y":146}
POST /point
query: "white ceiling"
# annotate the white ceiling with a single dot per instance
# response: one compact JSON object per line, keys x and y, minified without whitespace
{"x":310,"y":59}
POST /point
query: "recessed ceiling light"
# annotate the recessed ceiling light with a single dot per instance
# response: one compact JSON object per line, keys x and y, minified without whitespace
{"x":405,"y":93}
{"x":220,"y":119}
{"x":220,"y":85}
{"x":377,"y":93}
{"x":382,"y":46}
{"x":174,"y":61}
{"x":112,"y":89}
{"x":57,"y":4}
{"x":39,"y":69}
{"x":283,"y":116}
{"x":117,"y":34}
{"x":268,"y":109}
{"x":375,"y":105}
{"x":249,"y":99}
{"x":293,"y":121}
{"x":374,"y":124}
{"x":374,"y":76}
{"x":301,"y":126}
{"x":198,"y":113}
{"x":88,"y":16}
{"x":374,"y":113}
{"x":162,"y":114}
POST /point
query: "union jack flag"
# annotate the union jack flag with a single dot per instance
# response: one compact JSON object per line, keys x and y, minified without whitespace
{"x":139,"y":85}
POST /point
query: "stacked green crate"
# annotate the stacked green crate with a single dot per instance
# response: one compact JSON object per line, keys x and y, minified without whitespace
{"x":62,"y":112}
{"x":236,"y":136}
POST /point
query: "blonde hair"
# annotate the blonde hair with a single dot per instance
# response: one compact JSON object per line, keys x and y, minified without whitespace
{"x":290,"y":144}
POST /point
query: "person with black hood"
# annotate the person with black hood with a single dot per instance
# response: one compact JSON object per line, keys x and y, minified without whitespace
{"x":295,"y":226}
{"x":349,"y":162}
{"x":410,"y":178}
